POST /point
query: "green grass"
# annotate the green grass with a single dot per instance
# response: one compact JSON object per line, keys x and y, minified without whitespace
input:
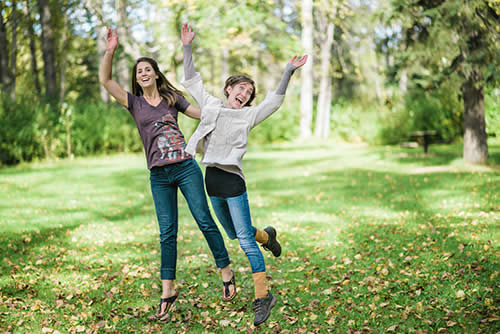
{"x":375,"y":239}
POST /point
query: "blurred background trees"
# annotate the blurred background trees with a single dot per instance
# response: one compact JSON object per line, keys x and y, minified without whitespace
{"x":377,"y":71}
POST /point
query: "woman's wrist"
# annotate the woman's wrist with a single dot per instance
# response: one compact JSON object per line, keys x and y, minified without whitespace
{"x":290,"y":68}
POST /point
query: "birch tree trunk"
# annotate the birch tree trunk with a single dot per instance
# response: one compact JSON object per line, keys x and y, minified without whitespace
{"x":101,"y":49}
{"x":475,"y":138}
{"x":224,"y":66}
{"x":96,"y":8}
{"x":131,"y":48}
{"x":48,"y":51}
{"x":322,"y":128}
{"x":306,"y":94}
{"x":122,"y":68}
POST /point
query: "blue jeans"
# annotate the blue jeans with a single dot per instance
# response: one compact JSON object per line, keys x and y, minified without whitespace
{"x":234,"y":215}
{"x":187,"y":176}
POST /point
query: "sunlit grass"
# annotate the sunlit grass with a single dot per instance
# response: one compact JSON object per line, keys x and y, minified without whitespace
{"x":373,"y":237}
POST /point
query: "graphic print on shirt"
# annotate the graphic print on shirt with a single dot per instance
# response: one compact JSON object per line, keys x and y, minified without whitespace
{"x":171,"y":143}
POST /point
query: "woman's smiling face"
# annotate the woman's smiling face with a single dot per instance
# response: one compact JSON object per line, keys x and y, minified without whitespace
{"x":145,"y":74}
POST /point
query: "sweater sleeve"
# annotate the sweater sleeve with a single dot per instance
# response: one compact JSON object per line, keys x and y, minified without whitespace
{"x":273,"y":101}
{"x":285,"y":79}
{"x":189,"y":71}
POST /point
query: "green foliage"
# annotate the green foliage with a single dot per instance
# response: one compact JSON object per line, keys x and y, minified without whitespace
{"x":492,"y":112}
{"x":19,"y":132}
{"x":353,"y":123}
{"x":281,"y":126}
{"x":440,"y":110}
{"x":32,"y":130}
{"x":394,"y":122}
{"x":100,"y":128}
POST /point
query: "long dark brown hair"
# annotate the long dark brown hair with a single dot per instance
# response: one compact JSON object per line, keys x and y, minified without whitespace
{"x":236,"y":79}
{"x":166,"y":89}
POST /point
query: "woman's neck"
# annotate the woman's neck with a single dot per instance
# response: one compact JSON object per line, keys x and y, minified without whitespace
{"x":151,"y":93}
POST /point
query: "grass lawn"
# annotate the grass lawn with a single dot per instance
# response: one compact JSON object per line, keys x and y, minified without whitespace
{"x":375,"y":240}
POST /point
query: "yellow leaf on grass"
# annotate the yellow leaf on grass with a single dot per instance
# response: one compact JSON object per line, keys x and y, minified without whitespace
{"x":224,"y":323}
{"x":392,"y":328}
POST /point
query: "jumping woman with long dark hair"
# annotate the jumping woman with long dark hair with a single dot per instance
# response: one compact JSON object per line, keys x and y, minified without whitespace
{"x":154,"y":104}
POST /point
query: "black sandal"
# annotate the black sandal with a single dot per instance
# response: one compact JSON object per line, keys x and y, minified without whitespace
{"x":226,"y":296}
{"x":170,"y":302}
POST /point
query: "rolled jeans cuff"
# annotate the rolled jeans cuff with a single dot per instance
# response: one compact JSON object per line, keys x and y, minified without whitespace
{"x":222,"y":262}
{"x":167,"y":273}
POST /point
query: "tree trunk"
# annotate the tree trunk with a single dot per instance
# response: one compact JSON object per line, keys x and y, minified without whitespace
{"x":475,"y":139}
{"x":306,"y":94}
{"x":62,"y":68}
{"x":324,"y":100}
{"x":131,"y":48}
{"x":8,"y":66}
{"x":95,"y":7}
{"x":403,"y":81}
{"x":4,"y":54}
{"x":31,"y":36}
{"x":122,"y":64}
{"x":224,"y":66}
{"x":328,"y":107}
{"x":13,"y":54}
{"x":101,"y":49}
{"x":48,"y":51}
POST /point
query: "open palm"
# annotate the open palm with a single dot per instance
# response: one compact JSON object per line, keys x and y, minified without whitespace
{"x":187,"y":35}
{"x":111,"y":40}
{"x":298,"y":62}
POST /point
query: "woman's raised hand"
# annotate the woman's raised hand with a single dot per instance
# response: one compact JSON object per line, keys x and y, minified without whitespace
{"x":298,"y":62}
{"x":111,"y":40}
{"x":187,"y":35}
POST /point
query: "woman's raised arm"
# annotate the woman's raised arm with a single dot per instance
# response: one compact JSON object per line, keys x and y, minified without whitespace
{"x":187,"y":36}
{"x":105,"y":70}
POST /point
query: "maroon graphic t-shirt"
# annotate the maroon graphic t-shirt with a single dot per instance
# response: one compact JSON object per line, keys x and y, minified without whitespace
{"x":162,"y":139}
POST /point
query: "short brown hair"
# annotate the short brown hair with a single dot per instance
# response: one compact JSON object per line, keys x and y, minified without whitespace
{"x":236,"y":79}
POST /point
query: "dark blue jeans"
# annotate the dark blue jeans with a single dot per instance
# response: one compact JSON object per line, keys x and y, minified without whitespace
{"x":187,"y":176}
{"x":234,"y":215}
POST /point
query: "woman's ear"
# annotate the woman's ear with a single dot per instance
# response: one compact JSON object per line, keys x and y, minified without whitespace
{"x":228,"y":90}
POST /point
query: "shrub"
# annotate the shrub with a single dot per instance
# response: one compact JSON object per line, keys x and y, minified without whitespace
{"x":32,"y":130}
{"x":19,"y":135}
{"x":101,"y":128}
{"x":492,"y":112}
